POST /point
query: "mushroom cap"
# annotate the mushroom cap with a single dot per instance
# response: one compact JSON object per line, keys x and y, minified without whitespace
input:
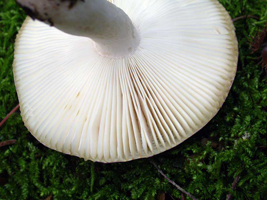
{"x":78,"y":102}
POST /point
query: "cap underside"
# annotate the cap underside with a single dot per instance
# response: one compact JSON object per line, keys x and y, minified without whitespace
{"x":77,"y":102}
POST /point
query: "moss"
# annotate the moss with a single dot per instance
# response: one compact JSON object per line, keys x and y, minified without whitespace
{"x":232,"y":144}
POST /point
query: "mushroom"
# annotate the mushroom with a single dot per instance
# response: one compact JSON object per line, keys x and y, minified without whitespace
{"x":113,"y":81}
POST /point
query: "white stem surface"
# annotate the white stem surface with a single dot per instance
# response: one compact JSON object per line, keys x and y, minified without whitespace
{"x":111,"y":29}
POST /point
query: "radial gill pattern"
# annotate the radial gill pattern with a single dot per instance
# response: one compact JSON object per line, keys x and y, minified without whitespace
{"x":77,"y":102}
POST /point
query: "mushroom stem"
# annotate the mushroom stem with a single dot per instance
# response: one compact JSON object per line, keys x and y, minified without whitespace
{"x":107,"y":25}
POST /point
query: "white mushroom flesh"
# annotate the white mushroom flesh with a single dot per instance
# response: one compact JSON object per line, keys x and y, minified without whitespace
{"x":79,"y":102}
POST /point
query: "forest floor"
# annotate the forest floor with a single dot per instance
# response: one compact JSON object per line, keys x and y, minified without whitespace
{"x":229,"y":151}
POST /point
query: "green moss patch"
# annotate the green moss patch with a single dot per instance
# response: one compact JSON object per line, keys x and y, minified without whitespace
{"x":232,"y":144}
